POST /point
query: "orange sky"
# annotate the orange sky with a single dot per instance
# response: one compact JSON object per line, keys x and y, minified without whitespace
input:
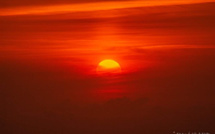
{"x":96,"y":34}
{"x":65,"y":8}
{"x":50,"y":50}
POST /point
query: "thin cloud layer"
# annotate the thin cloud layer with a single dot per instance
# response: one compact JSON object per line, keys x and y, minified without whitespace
{"x":49,"y":54}
{"x":67,"y":8}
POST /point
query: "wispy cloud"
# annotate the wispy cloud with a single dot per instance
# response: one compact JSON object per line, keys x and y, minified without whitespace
{"x":94,"y":6}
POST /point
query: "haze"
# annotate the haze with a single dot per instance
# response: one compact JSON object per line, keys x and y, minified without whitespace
{"x":49,"y":52}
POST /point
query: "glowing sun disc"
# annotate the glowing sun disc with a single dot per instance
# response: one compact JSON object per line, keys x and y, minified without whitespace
{"x":108,"y":66}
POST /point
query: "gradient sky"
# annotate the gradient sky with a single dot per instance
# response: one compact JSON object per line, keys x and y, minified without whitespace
{"x":49,"y":52}
{"x":46,"y":7}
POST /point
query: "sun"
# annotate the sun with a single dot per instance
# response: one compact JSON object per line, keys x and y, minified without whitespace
{"x":108,"y":66}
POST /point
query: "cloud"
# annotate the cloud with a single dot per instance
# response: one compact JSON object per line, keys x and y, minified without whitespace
{"x":70,"y":8}
{"x":15,"y":3}
{"x":170,"y":96}
{"x":166,"y":52}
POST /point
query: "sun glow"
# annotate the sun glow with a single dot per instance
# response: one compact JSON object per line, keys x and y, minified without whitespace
{"x":108,"y":66}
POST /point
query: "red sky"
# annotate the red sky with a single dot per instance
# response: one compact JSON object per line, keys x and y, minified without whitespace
{"x":43,"y":7}
{"x":49,"y":52}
